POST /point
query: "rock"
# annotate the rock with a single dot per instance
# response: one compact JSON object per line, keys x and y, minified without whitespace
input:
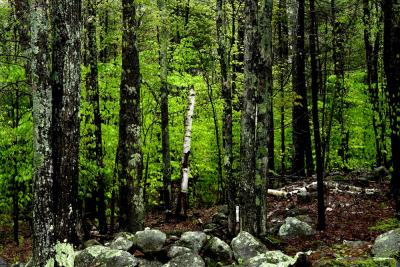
{"x":305,"y":218}
{"x":270,"y":259}
{"x":121,"y":243}
{"x":186,"y":260}
{"x":87,"y":256}
{"x":387,"y":244}
{"x":246,"y":246}
{"x":304,"y":197}
{"x":115,"y":257}
{"x":211,"y":226}
{"x":220,"y":219}
{"x":147,"y":263}
{"x":193,"y":240}
{"x":380,"y":172}
{"x":91,"y":243}
{"x":64,"y":255}
{"x":218,"y":250}
{"x":125,"y":235}
{"x":294,"y":228}
{"x":150,"y":240}
{"x":176,"y":251}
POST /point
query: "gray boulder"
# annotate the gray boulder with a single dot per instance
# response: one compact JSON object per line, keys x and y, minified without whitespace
{"x":220,"y":219}
{"x":387,"y":244}
{"x":90,"y":243}
{"x":87,"y":256}
{"x":121,"y":243}
{"x":150,"y":240}
{"x":104,"y":257}
{"x":193,"y":240}
{"x":147,"y":263}
{"x":270,"y":259}
{"x":246,"y":246}
{"x":186,"y":260}
{"x":115,"y":257}
{"x":218,"y":250}
{"x":175,"y":251}
{"x":293,"y":227}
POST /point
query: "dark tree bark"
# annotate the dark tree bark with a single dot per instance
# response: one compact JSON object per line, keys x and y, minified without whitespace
{"x":92,"y":89}
{"x":301,"y":124}
{"x":391,"y":9}
{"x":283,"y":53}
{"x":254,"y":146}
{"x":338,"y":60}
{"x":130,"y":162}
{"x":43,"y":217}
{"x":104,"y":22}
{"x":66,"y":123}
{"x":22,"y":11}
{"x":248,"y":212}
{"x":163,"y":61}
{"x":226,"y":90}
{"x":372,"y":58}
{"x":317,"y":136}
{"x":264,"y":123}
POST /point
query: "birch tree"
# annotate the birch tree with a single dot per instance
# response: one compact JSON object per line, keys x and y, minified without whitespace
{"x":182,"y":205}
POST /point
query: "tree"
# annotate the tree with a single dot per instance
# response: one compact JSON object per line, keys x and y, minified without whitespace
{"x":182,"y":205}
{"x":391,"y":11}
{"x":96,"y":140}
{"x":338,"y":61}
{"x":21,"y":10}
{"x":226,"y":91}
{"x":254,"y":120}
{"x":264,"y":123}
{"x":130,"y":161}
{"x":43,"y":217}
{"x":163,"y":61}
{"x":283,"y":54}
{"x":56,"y":124}
{"x":301,"y":124}
{"x":65,"y":83}
{"x":317,"y":135}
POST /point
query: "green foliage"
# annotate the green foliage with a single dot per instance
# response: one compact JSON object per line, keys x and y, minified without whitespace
{"x":385,"y":225}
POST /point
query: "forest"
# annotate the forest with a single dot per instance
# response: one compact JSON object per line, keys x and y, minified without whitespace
{"x":195,"y":133}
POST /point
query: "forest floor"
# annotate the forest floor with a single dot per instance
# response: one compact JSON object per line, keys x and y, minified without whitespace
{"x":350,"y":217}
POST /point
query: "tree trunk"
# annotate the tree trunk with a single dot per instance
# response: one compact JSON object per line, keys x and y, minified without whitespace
{"x":226,"y":90}
{"x":248,"y":213}
{"x":130,"y":160}
{"x":21,"y":9}
{"x":301,"y":124}
{"x":163,"y":41}
{"x":182,"y":205}
{"x":43,"y":217}
{"x":264,"y":119}
{"x":66,"y":78}
{"x":338,"y":60}
{"x":317,"y":136}
{"x":92,"y":88}
{"x":391,"y":11}
{"x":283,"y":52}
